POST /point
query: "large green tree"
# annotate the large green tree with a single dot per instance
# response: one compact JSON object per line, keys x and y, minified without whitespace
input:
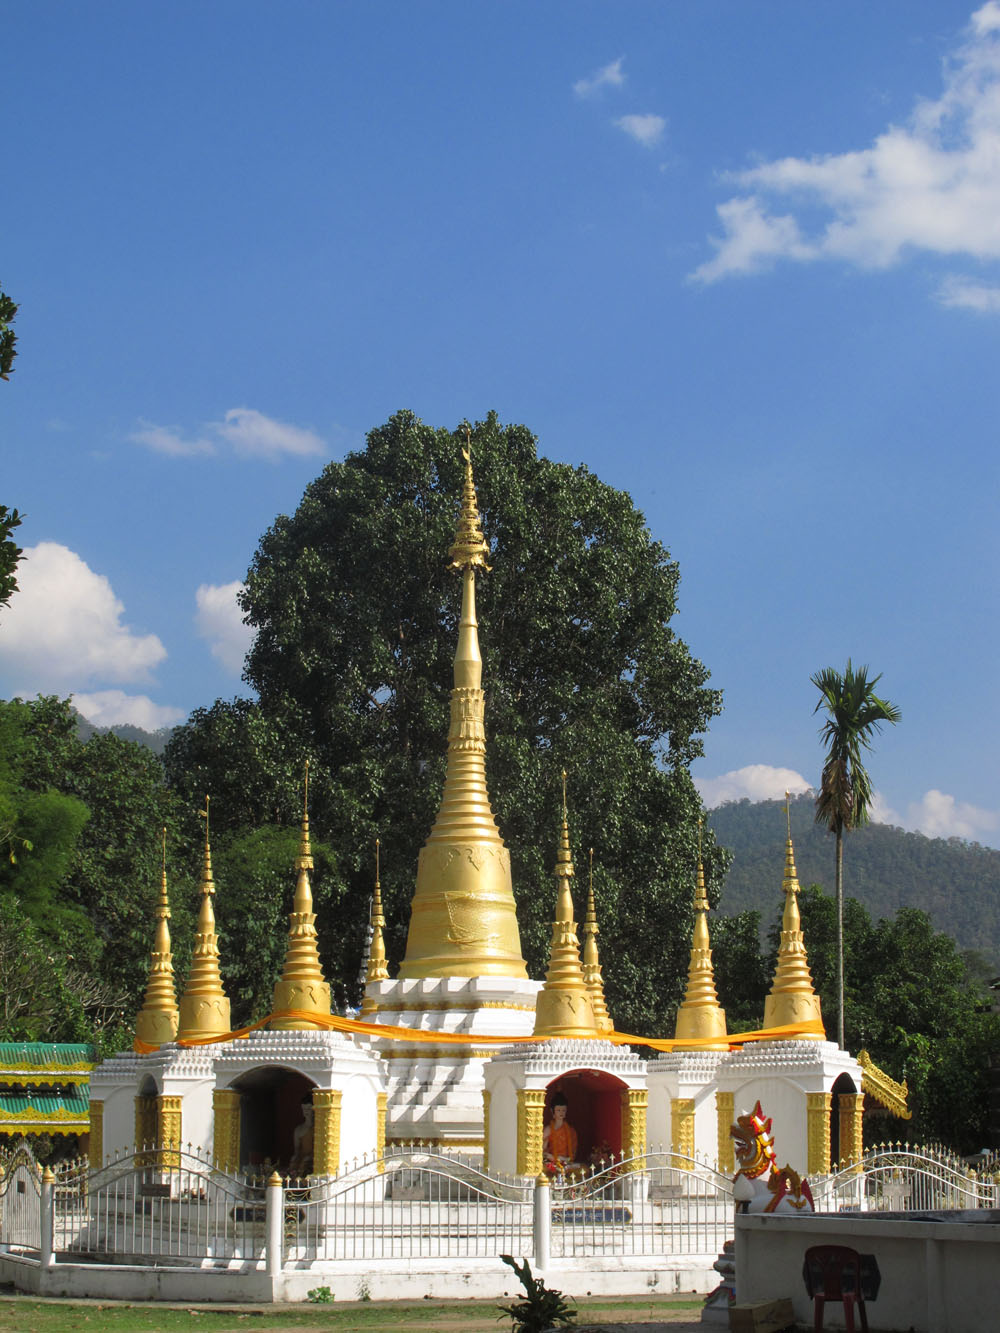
{"x":8,"y":338}
{"x":355,"y":613}
{"x":855,"y":713}
{"x":10,"y":553}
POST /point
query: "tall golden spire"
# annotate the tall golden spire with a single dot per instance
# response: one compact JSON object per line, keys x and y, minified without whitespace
{"x":301,"y":985}
{"x":564,"y":1007}
{"x":792,"y":998}
{"x":591,"y":962}
{"x":156,"y":1021}
{"x":377,"y":969}
{"x":204,"y":1008}
{"x":701,"y":1015}
{"x":462,"y":920}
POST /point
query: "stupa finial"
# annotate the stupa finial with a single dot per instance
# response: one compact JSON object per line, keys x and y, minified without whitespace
{"x":591,"y":962}
{"x":377,"y":967}
{"x":156,"y":1022}
{"x":204,"y":1007}
{"x":470,"y":547}
{"x":700,"y":1016}
{"x":792,"y":998}
{"x":301,"y":987}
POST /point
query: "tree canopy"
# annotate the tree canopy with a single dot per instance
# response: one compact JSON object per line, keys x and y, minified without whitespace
{"x":355,"y":613}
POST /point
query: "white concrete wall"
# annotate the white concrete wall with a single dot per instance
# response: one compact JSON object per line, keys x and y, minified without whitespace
{"x":119,"y":1120}
{"x":358,"y":1119}
{"x":937,"y":1277}
{"x":503,"y":1124}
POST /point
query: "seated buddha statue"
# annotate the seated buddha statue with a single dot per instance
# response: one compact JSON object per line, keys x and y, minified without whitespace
{"x":559,"y":1141}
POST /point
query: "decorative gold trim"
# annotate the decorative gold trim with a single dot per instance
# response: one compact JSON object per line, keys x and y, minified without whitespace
{"x":326,"y":1135}
{"x":144,"y":1129}
{"x":31,"y":1115}
{"x":95,"y":1148}
{"x":850,"y":1106}
{"x":530,"y":1129}
{"x":725,"y":1114}
{"x":682,"y":1132}
{"x":635,"y":1103}
{"x":40,"y":1071}
{"x":168,"y":1129}
{"x":818,"y":1105}
{"x":381,"y":1104}
{"x":226,"y":1104}
{"x":388,"y":1006}
{"x":883,"y":1089}
{"x":458,"y":1052}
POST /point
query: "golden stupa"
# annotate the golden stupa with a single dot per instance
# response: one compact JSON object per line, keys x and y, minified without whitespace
{"x":701,"y":1015}
{"x":204,"y":1009}
{"x":302,"y":986}
{"x":792,"y":998}
{"x":463,"y":921}
{"x":156,"y":1021}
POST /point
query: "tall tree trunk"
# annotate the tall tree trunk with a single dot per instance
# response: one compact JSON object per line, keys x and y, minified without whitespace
{"x":840,"y":938}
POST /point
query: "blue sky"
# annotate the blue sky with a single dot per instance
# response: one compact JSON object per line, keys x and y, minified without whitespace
{"x":741,"y":259}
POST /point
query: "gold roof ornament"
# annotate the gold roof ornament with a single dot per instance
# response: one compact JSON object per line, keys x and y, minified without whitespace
{"x":377,"y":968}
{"x":204,"y":1008}
{"x":463,"y":921}
{"x":591,"y":962}
{"x":792,"y":998}
{"x":156,"y":1022}
{"x":301,"y":986}
{"x":883,"y":1089}
{"x":564,"y":1007}
{"x":701,"y":1016}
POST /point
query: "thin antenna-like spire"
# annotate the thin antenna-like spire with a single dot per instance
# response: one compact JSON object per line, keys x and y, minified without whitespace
{"x":792,"y":998}
{"x":377,"y":969}
{"x":591,"y":961}
{"x":564,"y":1007}
{"x":302,"y":987}
{"x":700,"y":1015}
{"x":463,"y":921}
{"x":156,"y":1022}
{"x":204,"y":1007}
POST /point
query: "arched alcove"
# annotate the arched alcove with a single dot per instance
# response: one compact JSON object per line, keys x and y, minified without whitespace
{"x":593,"y":1108}
{"x":838,"y":1139}
{"x":271,"y":1109}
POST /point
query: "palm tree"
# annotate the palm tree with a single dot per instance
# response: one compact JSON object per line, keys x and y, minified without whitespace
{"x":856,"y":714}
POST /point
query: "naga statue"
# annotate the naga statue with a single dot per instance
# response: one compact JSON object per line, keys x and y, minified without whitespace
{"x":760,"y":1185}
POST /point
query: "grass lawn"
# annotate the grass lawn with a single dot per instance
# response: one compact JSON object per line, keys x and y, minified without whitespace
{"x":24,"y":1315}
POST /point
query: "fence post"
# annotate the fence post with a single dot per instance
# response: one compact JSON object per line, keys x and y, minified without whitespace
{"x":46,"y":1251}
{"x":274,"y":1216}
{"x":542,"y":1228}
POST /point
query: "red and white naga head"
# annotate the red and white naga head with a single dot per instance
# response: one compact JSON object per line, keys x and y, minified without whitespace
{"x":753,"y":1143}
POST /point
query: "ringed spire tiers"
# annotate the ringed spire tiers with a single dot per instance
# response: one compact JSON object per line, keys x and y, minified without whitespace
{"x":564,"y":1007}
{"x":156,"y":1022}
{"x":701,"y":1015}
{"x":301,"y":986}
{"x":377,"y":968}
{"x":792,"y":998}
{"x":463,"y":921}
{"x":591,"y":961}
{"x":204,"y":1009}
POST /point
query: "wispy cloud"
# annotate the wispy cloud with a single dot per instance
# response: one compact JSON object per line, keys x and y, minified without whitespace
{"x":755,"y":782}
{"x":115,"y":708}
{"x":645,"y":129}
{"x":219,"y":620}
{"x":967,"y":295}
{"x":64,"y":627}
{"x":609,"y":76}
{"x":243,"y":430}
{"x":932,"y":185}
{"x":939,"y":815}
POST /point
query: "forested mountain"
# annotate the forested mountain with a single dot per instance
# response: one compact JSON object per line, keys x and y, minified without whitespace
{"x":955,"y":882}
{"x":152,"y":740}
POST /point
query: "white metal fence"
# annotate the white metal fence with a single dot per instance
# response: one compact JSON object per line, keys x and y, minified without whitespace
{"x":904,"y":1178}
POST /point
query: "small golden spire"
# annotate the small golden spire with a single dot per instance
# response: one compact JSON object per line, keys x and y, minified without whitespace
{"x":301,"y":986}
{"x":591,"y":961}
{"x":156,"y":1022}
{"x":792,"y":998}
{"x":463,"y":921}
{"x":700,"y":1016}
{"x":564,"y":1007}
{"x":204,"y":1008}
{"x":377,"y":969}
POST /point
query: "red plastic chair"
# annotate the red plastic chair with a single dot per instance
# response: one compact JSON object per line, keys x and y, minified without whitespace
{"x":833,"y":1273}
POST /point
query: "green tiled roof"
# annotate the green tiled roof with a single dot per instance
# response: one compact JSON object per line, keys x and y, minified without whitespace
{"x":76,"y":1103}
{"x":45,"y":1055}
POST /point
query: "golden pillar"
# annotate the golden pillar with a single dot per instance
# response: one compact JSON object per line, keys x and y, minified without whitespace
{"x":792,"y":999}
{"x":818,"y":1106}
{"x":725,"y":1110}
{"x":144,"y":1130}
{"x":463,"y":921}
{"x":682,"y":1131}
{"x":326,"y":1133}
{"x":530,"y":1129}
{"x":95,"y":1148}
{"x":635,"y":1102}
{"x":168,"y":1130}
{"x":850,"y":1106}
{"x":486,"y":1129}
{"x":382,"y":1104}
{"x":226,"y":1105}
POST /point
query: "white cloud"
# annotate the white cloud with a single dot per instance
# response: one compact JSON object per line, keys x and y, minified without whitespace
{"x":967,"y":295}
{"x":646,"y":130}
{"x":113,"y":708}
{"x":609,"y":76}
{"x":64,"y":627}
{"x":244,"y":430}
{"x":219,"y":619}
{"x":932,"y":184}
{"x":756,"y":782}
{"x":941,"y":816}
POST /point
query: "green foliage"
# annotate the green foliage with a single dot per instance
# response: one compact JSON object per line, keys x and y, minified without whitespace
{"x":542,"y":1307}
{"x":855,"y":714}
{"x":10,"y":552}
{"x":356,"y":618}
{"x":8,"y":338}
{"x":320,"y":1296}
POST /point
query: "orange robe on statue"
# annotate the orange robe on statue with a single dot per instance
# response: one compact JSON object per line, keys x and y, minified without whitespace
{"x":562,"y":1142}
